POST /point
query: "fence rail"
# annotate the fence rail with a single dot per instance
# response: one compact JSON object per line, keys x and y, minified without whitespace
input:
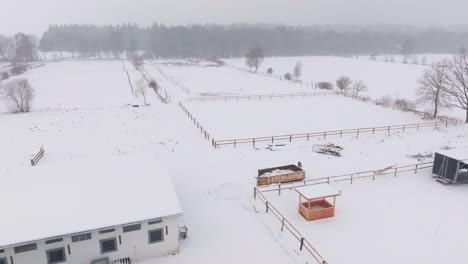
{"x":35,"y":160}
{"x":350,"y":177}
{"x":257,"y":97}
{"x":325,"y":134}
{"x":304,"y":244}
{"x":200,"y":127}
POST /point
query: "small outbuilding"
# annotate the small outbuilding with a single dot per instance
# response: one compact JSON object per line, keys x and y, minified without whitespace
{"x":450,"y":167}
{"x":317,"y":202}
{"x":280,"y":174}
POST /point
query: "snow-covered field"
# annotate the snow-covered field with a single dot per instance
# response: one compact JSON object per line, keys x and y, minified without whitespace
{"x":397,"y":80}
{"x":408,"y":219}
{"x":226,"y":81}
{"x":246,"y":119}
{"x":88,"y":119}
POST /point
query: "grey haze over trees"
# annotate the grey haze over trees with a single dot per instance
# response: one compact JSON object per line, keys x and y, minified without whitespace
{"x":254,"y":58}
{"x":433,"y":86}
{"x":18,"y":94}
{"x":206,"y":41}
{"x":18,"y":49}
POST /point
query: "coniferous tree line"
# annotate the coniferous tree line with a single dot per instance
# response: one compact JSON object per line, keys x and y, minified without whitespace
{"x":236,"y":40}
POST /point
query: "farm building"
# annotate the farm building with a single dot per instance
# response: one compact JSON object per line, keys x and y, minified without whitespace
{"x":96,"y":214}
{"x":317,"y":201}
{"x":450,"y":167}
{"x":280,"y":174}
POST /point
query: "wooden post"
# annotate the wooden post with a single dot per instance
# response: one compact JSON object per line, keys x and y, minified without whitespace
{"x":357,"y":133}
{"x":325,"y":135}
{"x":351,"y":179}
{"x":255,"y":193}
{"x":290,"y":138}
{"x":267,"y":207}
{"x":341,"y":133}
{"x":416,"y":169}
{"x":404,"y":126}
{"x":373,"y":131}
{"x":282,"y":225}
{"x":396,"y":171}
{"x":279,"y":189}
{"x":302,"y":244}
{"x":388,"y":129}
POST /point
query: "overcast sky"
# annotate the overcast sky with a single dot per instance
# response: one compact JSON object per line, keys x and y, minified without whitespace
{"x":33,"y":16}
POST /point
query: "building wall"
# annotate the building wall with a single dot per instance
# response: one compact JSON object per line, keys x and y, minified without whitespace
{"x":134,"y":245}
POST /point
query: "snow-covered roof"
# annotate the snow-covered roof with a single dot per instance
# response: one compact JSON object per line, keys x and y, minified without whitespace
{"x":60,"y":199}
{"x":316,"y":191}
{"x":458,"y":154}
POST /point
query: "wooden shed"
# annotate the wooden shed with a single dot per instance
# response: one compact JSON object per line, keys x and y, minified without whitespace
{"x":280,"y":174}
{"x":450,"y":167}
{"x":317,"y":202}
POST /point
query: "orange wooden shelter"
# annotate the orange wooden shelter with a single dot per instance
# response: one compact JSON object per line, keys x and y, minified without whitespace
{"x":317,"y":202}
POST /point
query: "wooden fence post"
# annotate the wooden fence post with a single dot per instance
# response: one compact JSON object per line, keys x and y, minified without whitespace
{"x":282,"y":225}
{"x":267,"y":207}
{"x":416,"y":169}
{"x":279,"y":189}
{"x":396,"y":171}
{"x":255,"y":193}
{"x":302,"y":244}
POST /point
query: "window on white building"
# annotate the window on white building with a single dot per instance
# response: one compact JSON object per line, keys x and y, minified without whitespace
{"x":56,"y":256}
{"x":108,"y":245}
{"x":131,"y":228}
{"x":3,"y":261}
{"x":25,"y":248}
{"x":81,"y":237}
{"x":155,"y":236}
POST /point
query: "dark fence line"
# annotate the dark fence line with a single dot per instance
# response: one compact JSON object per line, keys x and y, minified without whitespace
{"x":350,"y":177}
{"x":325,"y":134}
{"x":173,"y":81}
{"x":35,"y":160}
{"x":286,"y":224}
{"x":203,"y":131}
{"x":257,"y":97}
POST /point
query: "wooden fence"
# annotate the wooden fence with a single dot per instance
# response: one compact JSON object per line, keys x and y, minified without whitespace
{"x":350,"y":177}
{"x":203,"y":131}
{"x":35,"y":160}
{"x":304,"y":244}
{"x":257,"y":97}
{"x":173,"y":81}
{"x":307,"y":136}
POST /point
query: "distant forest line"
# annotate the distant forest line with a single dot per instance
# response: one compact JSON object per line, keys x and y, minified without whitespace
{"x":236,"y":41}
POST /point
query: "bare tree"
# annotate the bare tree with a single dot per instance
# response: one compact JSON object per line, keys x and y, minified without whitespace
{"x":458,"y":83}
{"x":254,"y":58}
{"x":18,"y":94}
{"x":270,"y":71}
{"x":141,"y":88}
{"x":433,"y":86}
{"x":297,"y":70}
{"x":343,"y":83}
{"x":358,"y":87}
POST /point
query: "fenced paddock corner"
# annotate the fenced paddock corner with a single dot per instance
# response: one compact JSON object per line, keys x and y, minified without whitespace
{"x":304,"y":244}
{"x":307,"y":136}
{"x":257,"y":97}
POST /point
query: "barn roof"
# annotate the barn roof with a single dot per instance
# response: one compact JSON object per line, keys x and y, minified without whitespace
{"x":61,"y":199}
{"x":317,"y":191}
{"x":458,"y":154}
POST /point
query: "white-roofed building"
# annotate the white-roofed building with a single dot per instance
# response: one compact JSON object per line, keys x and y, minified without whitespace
{"x":96,"y":213}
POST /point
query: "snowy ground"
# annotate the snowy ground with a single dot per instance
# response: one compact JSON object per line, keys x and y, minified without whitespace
{"x":396,"y":79}
{"x":407,"y":219}
{"x":215,"y":186}
{"x":227,"y":120}
{"x":226,"y":81}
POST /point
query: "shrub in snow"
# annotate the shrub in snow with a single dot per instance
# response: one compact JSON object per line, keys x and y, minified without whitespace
{"x":4,"y":76}
{"x":18,"y":94}
{"x":288,"y":76}
{"x":325,"y":85}
{"x":19,"y":69}
{"x":404,"y":104}
{"x":270,"y":71}
{"x":385,"y":101}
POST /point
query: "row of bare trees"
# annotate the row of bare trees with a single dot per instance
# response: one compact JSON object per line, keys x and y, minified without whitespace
{"x":445,"y":84}
{"x":345,"y":84}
